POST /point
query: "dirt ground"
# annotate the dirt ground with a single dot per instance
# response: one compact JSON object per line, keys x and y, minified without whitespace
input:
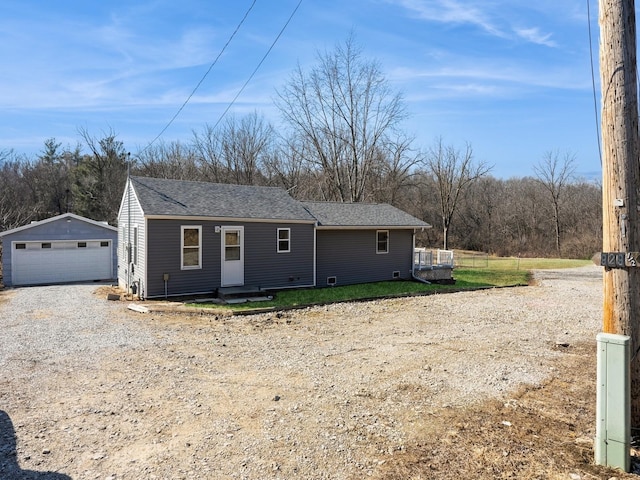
{"x":439,"y":387}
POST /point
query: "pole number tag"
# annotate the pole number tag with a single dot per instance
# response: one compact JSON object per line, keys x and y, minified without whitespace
{"x":619,"y":259}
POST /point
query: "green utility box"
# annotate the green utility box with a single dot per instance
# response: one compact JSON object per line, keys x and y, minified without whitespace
{"x":613,"y":398}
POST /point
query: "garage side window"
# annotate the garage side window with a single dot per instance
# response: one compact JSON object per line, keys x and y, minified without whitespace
{"x":382,"y":241}
{"x":126,"y":251}
{"x":284,"y":240}
{"x":191,"y":252}
{"x":135,"y":245}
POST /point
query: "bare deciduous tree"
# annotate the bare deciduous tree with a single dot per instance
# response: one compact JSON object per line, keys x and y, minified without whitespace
{"x":342,"y":113}
{"x":453,"y":171}
{"x":15,"y":209}
{"x":395,"y":170}
{"x":235,"y":151}
{"x":555,"y":172}
{"x":100,"y":177}
{"x":174,"y":160}
{"x":286,"y":168}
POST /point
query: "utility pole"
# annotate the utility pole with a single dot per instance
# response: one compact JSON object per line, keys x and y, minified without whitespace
{"x":621,"y":182}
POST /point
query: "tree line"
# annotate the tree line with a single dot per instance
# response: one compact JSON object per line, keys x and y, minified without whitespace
{"x":342,"y":142}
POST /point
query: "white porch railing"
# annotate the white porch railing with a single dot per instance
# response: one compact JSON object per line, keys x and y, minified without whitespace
{"x":423,"y":259}
{"x":445,"y":258}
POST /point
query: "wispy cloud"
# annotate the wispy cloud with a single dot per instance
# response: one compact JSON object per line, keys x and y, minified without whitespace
{"x":488,"y":80}
{"x":491,"y":17}
{"x":534,"y":35}
{"x":451,"y":11}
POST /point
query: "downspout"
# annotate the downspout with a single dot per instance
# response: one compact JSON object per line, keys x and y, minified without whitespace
{"x":315,"y":252}
{"x":128,"y":227}
{"x":145,"y":272}
{"x":315,"y":245}
{"x":413,"y":261}
{"x":418,"y":279}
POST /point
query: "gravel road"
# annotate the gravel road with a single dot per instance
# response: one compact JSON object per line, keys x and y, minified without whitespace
{"x":91,"y":390}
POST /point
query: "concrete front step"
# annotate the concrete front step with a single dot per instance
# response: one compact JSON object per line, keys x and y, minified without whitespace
{"x":243,"y":294}
{"x":236,"y":300}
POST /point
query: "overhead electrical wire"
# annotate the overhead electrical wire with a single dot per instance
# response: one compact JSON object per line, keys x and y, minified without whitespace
{"x":258,"y":66}
{"x":203,"y":78}
{"x":593,"y":82}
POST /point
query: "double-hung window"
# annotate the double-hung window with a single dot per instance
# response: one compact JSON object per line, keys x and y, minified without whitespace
{"x":191,"y":247}
{"x":382,"y":241}
{"x":284,"y":240}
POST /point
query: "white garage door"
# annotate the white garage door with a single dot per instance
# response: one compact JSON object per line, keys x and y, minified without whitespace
{"x":34,"y":263}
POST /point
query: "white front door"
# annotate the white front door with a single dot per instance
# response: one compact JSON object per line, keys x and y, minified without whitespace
{"x":232,"y":256}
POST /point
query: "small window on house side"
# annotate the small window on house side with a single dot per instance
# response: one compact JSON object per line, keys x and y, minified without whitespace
{"x":382,"y":241}
{"x":191,"y":254}
{"x":284,"y":240}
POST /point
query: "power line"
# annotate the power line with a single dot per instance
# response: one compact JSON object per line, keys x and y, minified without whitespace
{"x":258,"y":66}
{"x":203,"y":77}
{"x":593,"y":82}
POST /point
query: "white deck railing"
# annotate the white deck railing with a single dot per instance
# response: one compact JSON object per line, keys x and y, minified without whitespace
{"x":423,"y":259}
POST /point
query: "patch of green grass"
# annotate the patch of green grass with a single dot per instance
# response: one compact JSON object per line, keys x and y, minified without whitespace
{"x":499,"y":273}
{"x":494,"y":277}
{"x":293,"y":298}
{"x":315,"y":296}
{"x":515,"y":263}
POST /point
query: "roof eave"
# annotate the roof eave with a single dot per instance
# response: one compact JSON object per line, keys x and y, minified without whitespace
{"x":371,"y":227}
{"x":205,"y":218}
{"x":56,"y":218}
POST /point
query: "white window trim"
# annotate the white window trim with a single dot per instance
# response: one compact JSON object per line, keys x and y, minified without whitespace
{"x":288,"y":250}
{"x":134,"y":244}
{"x":382,"y":252}
{"x":125,"y":245}
{"x":182,"y":247}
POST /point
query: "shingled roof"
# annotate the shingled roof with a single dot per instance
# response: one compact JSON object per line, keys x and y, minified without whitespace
{"x":160,"y":197}
{"x":362,"y":215}
{"x":181,"y":198}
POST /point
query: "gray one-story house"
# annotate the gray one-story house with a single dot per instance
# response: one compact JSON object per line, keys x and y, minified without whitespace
{"x":184,"y":238}
{"x":61,"y":249}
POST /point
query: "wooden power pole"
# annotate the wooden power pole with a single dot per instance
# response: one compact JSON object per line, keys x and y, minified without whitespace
{"x":621,"y":181}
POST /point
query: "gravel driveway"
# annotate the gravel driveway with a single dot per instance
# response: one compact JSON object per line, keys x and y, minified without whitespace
{"x":95,"y":391}
{"x":46,"y":324}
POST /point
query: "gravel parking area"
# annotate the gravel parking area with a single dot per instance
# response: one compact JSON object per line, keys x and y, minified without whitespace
{"x":46,"y":324}
{"x":91,"y":390}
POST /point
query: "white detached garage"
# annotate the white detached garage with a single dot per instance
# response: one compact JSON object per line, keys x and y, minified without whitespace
{"x":62,"y":249}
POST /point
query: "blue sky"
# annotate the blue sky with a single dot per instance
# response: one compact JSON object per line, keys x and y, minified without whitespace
{"x":510,"y":77}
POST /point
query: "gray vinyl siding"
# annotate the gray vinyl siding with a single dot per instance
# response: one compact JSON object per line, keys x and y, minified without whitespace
{"x":57,"y":230}
{"x":350,"y":256}
{"x":5,"y":253}
{"x":263,"y":266}
{"x":164,"y":257}
{"x":137,"y":220}
{"x":267,"y":268}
